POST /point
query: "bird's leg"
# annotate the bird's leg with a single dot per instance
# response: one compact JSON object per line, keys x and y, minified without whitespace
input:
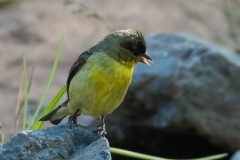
{"x":73,"y":118}
{"x":102,"y":130}
{"x":70,"y":119}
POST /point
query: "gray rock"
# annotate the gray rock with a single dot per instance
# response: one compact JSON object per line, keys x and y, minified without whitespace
{"x":59,"y":142}
{"x":236,"y":156}
{"x":191,"y":86}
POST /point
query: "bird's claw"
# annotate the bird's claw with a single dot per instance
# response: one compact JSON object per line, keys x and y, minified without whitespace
{"x":101,"y":131}
{"x":72,"y":120}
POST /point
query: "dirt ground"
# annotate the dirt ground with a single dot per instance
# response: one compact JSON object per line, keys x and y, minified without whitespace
{"x":36,"y":26}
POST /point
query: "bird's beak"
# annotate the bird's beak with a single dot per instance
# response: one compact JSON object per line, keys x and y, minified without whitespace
{"x":145,"y":58}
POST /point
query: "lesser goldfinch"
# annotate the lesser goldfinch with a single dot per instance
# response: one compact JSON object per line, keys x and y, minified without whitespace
{"x":100,"y":77}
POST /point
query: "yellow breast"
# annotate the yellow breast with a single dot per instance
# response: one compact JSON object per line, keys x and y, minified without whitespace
{"x":100,"y":85}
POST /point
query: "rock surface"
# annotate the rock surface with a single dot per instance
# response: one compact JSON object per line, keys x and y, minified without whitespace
{"x":192,"y":88}
{"x":58,"y":143}
{"x":236,"y":156}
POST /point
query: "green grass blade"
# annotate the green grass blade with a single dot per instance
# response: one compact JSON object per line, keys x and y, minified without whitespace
{"x":214,"y":157}
{"x":136,"y":155}
{"x":25,"y":103}
{"x":36,"y":114}
{"x":50,"y":107}
{"x":5,"y":3}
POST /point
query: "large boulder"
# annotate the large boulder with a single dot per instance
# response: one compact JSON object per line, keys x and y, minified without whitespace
{"x":192,"y":88}
{"x":59,"y":142}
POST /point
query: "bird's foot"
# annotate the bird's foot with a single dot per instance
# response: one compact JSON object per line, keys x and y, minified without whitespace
{"x":101,"y":131}
{"x":73,"y":119}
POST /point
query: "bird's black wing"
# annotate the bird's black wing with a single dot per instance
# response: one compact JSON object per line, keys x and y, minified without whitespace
{"x":77,"y":66}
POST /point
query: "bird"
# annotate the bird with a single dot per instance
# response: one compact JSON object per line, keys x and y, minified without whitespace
{"x":99,"y":79}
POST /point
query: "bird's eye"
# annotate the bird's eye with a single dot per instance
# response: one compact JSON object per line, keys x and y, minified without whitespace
{"x":129,"y":46}
{"x":141,"y":47}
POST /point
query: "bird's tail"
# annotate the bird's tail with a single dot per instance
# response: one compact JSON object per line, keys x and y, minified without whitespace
{"x":56,"y":115}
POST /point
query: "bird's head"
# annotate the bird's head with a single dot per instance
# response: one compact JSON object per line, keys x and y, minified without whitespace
{"x":129,"y":45}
